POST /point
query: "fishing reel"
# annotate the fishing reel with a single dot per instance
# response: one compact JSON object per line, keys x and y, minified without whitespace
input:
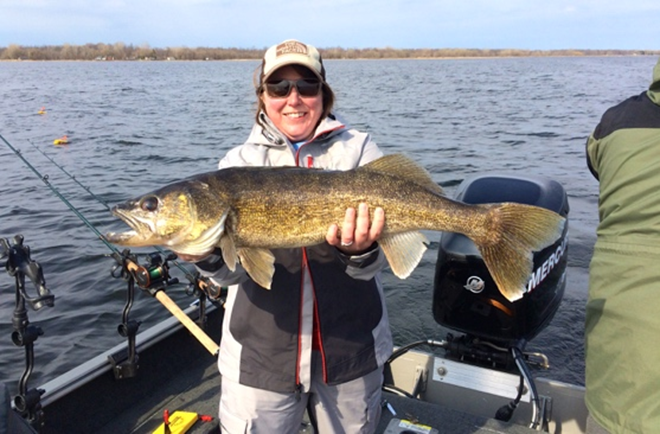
{"x":207,"y":287}
{"x":154,"y":275}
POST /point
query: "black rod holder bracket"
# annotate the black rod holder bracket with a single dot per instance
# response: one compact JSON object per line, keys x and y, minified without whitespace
{"x":20,"y":265}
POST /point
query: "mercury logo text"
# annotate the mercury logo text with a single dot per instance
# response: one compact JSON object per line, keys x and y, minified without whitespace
{"x":544,"y":269}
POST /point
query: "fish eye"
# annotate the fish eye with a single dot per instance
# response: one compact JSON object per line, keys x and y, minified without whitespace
{"x":149,"y":203}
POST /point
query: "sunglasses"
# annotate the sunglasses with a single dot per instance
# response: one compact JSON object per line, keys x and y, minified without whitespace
{"x":282,"y":88}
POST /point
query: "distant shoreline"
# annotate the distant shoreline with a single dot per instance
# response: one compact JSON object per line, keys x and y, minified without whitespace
{"x":326,"y":59}
{"x":123,"y":52}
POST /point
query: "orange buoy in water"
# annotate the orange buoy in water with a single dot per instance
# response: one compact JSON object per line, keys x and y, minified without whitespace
{"x":61,"y":141}
{"x":42,"y":111}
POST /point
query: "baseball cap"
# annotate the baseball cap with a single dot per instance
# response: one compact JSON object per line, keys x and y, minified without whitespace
{"x":292,"y":52}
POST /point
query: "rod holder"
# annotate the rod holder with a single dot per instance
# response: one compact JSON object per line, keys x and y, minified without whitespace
{"x":20,"y":265}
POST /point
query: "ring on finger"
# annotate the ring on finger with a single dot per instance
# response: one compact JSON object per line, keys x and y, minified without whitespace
{"x":348,"y":244}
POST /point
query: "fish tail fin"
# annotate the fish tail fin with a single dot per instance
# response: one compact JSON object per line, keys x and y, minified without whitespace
{"x":520,"y":230}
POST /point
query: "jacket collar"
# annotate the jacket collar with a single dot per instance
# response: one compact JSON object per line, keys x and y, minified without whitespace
{"x":269,"y":135}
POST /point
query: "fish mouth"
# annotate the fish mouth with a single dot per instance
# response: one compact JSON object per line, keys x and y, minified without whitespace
{"x":141,"y":233}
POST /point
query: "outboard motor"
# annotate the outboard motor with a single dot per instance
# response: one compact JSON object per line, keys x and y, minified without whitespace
{"x":466,"y":299}
{"x":465,"y":296}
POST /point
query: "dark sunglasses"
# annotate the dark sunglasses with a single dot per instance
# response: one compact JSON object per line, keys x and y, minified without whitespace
{"x":282,"y":88}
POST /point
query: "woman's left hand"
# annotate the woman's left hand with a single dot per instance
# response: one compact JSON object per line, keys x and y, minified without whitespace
{"x":358,"y":232}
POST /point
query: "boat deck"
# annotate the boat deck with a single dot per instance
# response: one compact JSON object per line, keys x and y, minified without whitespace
{"x":198,"y":392}
{"x":176,"y":373}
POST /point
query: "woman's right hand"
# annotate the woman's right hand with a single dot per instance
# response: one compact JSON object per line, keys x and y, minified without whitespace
{"x":358,"y":233}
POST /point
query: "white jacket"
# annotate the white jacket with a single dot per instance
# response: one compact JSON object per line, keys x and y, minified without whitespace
{"x":267,"y":335}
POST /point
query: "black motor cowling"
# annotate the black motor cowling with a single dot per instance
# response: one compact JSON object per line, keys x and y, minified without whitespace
{"x":465,"y":296}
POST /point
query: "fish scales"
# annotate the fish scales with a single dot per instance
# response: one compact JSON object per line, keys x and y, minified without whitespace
{"x":247,"y":211}
{"x":303,"y":204}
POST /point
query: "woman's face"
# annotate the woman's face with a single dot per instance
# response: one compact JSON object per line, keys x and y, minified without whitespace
{"x":294,"y":115}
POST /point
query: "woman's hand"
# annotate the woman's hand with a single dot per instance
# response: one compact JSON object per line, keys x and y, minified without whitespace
{"x":358,"y":232}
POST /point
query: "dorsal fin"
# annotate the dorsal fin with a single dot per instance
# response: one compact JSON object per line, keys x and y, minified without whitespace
{"x":403,"y":167}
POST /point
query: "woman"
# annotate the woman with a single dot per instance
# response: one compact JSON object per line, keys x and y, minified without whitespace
{"x":319,"y":338}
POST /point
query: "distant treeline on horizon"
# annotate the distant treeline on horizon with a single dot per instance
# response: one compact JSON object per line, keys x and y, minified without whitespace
{"x":121,"y":51}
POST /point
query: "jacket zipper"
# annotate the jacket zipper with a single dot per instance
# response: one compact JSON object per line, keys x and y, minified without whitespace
{"x":310,"y":159}
{"x":316,"y":331}
{"x":316,"y":324}
{"x":298,"y":386}
{"x":309,"y":163}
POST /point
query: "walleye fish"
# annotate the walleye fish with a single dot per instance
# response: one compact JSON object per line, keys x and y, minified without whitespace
{"x":247,"y":211}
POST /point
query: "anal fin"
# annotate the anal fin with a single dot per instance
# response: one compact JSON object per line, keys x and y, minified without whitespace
{"x":404,"y":251}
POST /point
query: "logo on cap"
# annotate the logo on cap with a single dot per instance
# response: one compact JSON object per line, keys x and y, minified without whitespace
{"x":291,"y":47}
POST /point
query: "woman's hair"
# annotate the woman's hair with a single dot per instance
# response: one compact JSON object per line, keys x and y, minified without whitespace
{"x":328,"y":94}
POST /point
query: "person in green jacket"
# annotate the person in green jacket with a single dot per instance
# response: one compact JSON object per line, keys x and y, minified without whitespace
{"x":623,"y":309}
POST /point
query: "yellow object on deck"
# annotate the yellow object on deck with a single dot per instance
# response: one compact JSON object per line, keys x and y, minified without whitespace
{"x":180,"y":422}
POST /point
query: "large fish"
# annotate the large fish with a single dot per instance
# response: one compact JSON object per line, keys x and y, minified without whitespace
{"x":247,"y":211}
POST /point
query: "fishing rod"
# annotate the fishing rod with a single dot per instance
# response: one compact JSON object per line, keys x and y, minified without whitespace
{"x":186,"y":272}
{"x":205,"y":285}
{"x":59,"y":195}
{"x":152,"y":278}
{"x":195,"y":281}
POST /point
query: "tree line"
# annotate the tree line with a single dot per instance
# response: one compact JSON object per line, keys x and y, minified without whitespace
{"x":121,"y":51}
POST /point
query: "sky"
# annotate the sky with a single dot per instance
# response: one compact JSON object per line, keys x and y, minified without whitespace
{"x":481,"y":24}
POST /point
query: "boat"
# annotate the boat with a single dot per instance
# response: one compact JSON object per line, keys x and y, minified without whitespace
{"x":476,"y":379}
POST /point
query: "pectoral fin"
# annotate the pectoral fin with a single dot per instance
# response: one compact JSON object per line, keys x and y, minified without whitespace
{"x":259,"y":264}
{"x":404,"y":251}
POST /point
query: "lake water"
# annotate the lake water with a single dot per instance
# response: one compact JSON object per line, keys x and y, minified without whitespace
{"x":134,"y":126}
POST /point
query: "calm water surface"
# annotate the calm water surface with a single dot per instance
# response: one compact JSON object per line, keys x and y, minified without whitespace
{"x":134,"y":126}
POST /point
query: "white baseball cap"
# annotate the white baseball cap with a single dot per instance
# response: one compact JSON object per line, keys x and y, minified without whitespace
{"x":292,"y":52}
